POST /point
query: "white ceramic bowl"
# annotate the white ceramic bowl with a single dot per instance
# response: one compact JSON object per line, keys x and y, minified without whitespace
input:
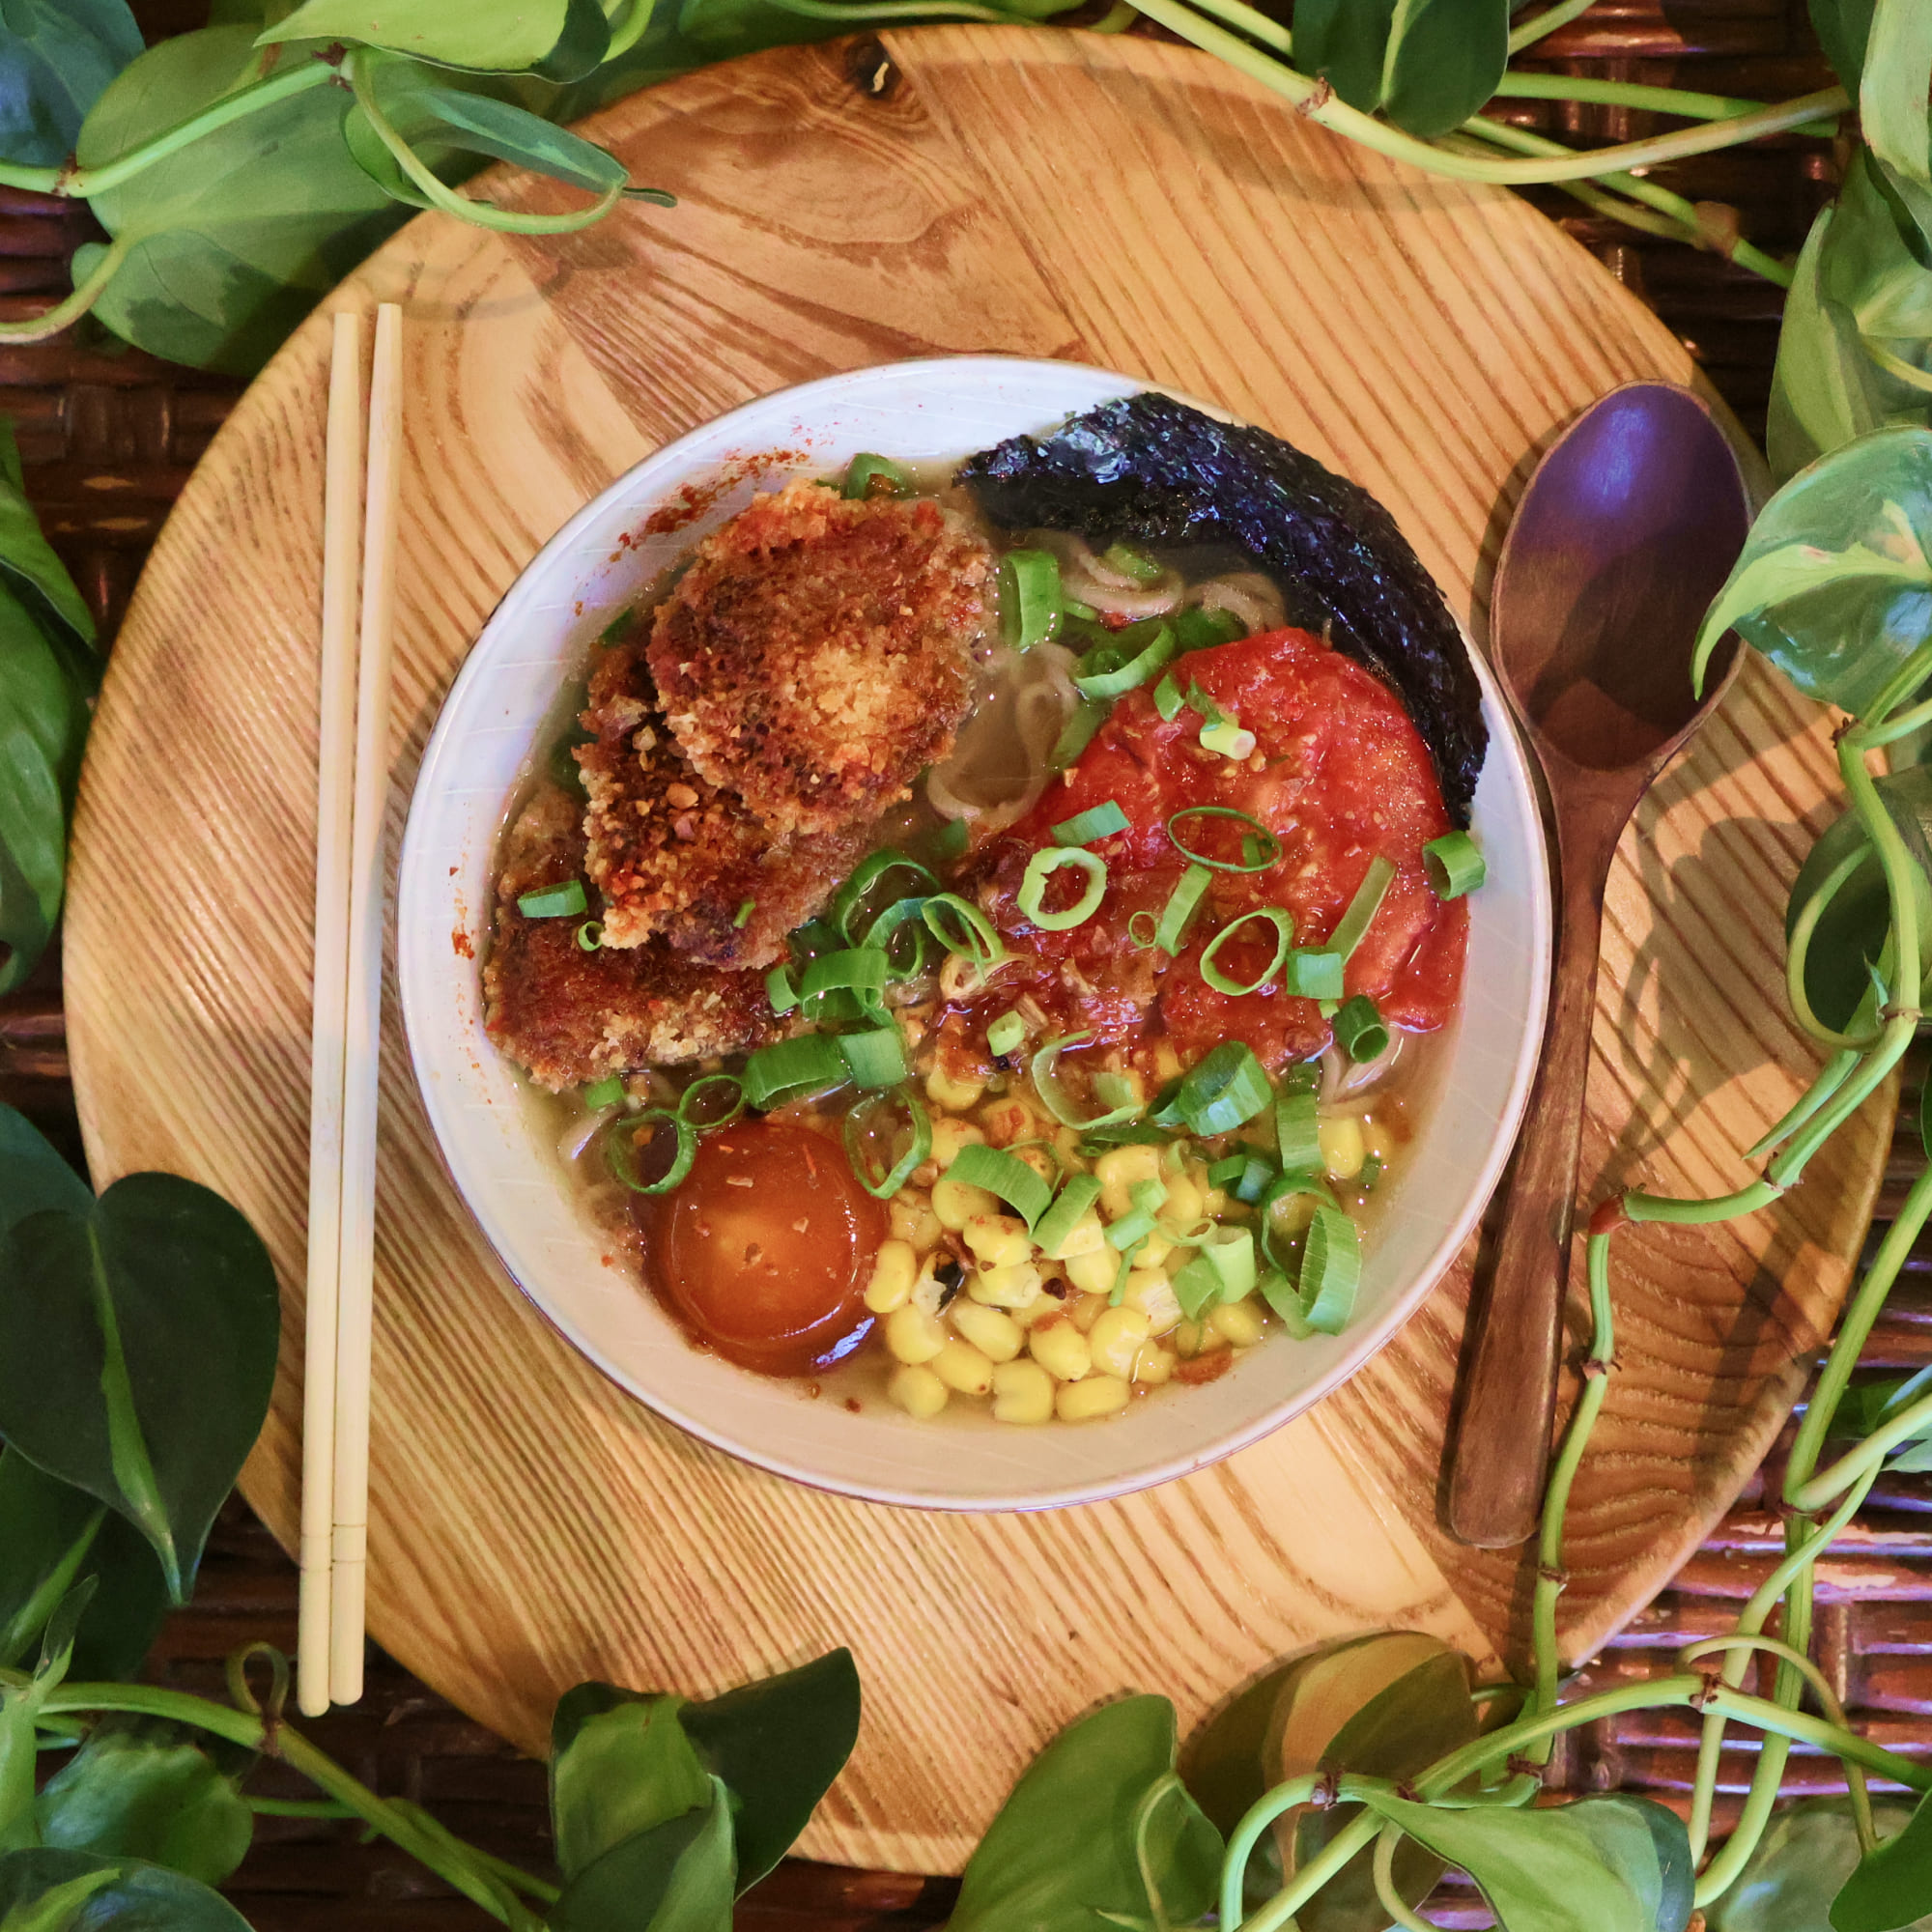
{"x":590,"y":570}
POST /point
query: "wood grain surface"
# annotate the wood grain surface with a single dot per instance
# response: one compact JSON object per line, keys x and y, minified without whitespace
{"x":1051,"y":194}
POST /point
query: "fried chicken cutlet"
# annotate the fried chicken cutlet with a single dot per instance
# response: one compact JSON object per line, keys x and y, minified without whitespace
{"x":676,"y":857}
{"x":571,"y":1016}
{"x":815,"y":657}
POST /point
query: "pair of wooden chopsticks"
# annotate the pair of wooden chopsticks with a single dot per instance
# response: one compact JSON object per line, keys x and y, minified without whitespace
{"x":359,"y":545}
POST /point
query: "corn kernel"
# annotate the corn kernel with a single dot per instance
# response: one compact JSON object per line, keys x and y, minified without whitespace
{"x":1022,"y":1392}
{"x":1290,"y":1214}
{"x":948,"y":1136}
{"x":1154,"y":1365}
{"x":1153,"y":1251}
{"x":1015,"y":1287}
{"x":1084,"y":1311}
{"x":1059,"y":1348}
{"x":1008,"y":1120}
{"x":1086,"y":1237}
{"x":1115,"y":1340}
{"x":947,"y":1089}
{"x":1184,"y":1202}
{"x":1040,"y":1161}
{"x":995,"y":1334}
{"x":963,"y":1367}
{"x":1166,"y":1062}
{"x":998,"y":1240}
{"x":914,"y":1334}
{"x":956,"y":1203}
{"x":1093,"y":1274}
{"x":1152,"y":1291}
{"x":913,"y":1220}
{"x":1239,"y":1323}
{"x":1097,"y":1396}
{"x":1377,"y":1140}
{"x":895,"y":1269}
{"x":917,"y":1391}
{"x":1121,"y":1170}
{"x":1342,"y":1148}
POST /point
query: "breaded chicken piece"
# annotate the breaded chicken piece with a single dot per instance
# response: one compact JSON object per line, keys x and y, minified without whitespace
{"x":673,"y":855}
{"x":816,"y":655}
{"x":570,"y":1017}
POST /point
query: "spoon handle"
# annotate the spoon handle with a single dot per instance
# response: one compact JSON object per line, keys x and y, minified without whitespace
{"x":1509,"y":1384}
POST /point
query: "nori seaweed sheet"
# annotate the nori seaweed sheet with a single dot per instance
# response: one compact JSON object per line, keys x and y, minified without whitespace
{"x":1149,"y":469}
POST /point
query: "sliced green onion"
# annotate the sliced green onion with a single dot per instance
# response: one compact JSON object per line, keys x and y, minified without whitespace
{"x":1368,"y":1174}
{"x":1227,"y":736}
{"x":564,"y":901}
{"x":789,"y":1067}
{"x":1231,"y":1253}
{"x":840,"y":1003}
{"x":1030,"y":602}
{"x":1129,"y":1256}
{"x":606,"y":1093}
{"x":858,"y":969}
{"x":950,"y":840}
{"x":621,"y":1151}
{"x":1167,"y":700}
{"x":780,"y":989}
{"x":690,"y":1105}
{"x":590,"y":935}
{"x":1073,"y":608}
{"x":858,"y":888}
{"x":1360,"y":1030}
{"x":1180,"y":906}
{"x":999,"y":1173}
{"x":1201,"y":629}
{"x":1267,"y":845}
{"x":1245,"y":1174}
{"x":1313,"y":974}
{"x":1283,"y":932}
{"x":1042,"y":867}
{"x":872,"y":475}
{"x":874,"y":1058}
{"x":1131,"y":562}
{"x":1331,"y":1270}
{"x":1077,"y":733}
{"x":899,"y":921}
{"x":1131,"y":1229}
{"x":1199,"y":700}
{"x":1005,"y":1033}
{"x":1362,"y":908}
{"x":1117,"y":1090}
{"x":960,"y":926}
{"x":1069,"y":1204}
{"x":812,"y":938}
{"x":1454,"y":864}
{"x":889,"y":1183}
{"x":1123,"y":1133}
{"x":1143,"y":929}
{"x":742,"y":917}
{"x":1097,"y":821}
{"x":1116,"y":667}
{"x":1174,"y":1156}
{"x":1045,"y":1070}
{"x":1166,"y":1109}
{"x":1298,"y":1118}
{"x":1224,"y":1091}
{"x":1197,"y":1288}
{"x":1285,"y":1188}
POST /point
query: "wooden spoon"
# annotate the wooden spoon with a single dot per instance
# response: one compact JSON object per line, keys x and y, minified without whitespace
{"x":1627,"y":531}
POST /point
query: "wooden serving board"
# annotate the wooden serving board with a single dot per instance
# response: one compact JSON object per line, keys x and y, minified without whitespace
{"x":1114,"y":200}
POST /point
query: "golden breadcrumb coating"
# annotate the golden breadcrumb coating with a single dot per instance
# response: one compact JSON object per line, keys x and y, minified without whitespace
{"x":816,"y":655}
{"x":571,"y":1016}
{"x":674,"y":856}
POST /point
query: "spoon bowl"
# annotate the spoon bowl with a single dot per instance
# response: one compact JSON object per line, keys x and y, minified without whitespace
{"x":1627,"y":531}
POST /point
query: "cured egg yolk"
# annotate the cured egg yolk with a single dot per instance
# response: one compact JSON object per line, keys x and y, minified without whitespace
{"x":766,"y":1247}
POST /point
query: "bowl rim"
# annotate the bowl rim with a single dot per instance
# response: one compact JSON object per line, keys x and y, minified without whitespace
{"x":1505,"y":736}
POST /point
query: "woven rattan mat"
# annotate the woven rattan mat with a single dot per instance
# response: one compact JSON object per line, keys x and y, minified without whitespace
{"x":109,"y":436}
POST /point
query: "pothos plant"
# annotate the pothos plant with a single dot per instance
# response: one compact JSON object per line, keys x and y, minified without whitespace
{"x":239,"y":169}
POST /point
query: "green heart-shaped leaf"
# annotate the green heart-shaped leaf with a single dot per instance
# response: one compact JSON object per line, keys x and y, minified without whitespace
{"x":53,"y":1891}
{"x":156,"y":1321}
{"x":56,"y":56}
